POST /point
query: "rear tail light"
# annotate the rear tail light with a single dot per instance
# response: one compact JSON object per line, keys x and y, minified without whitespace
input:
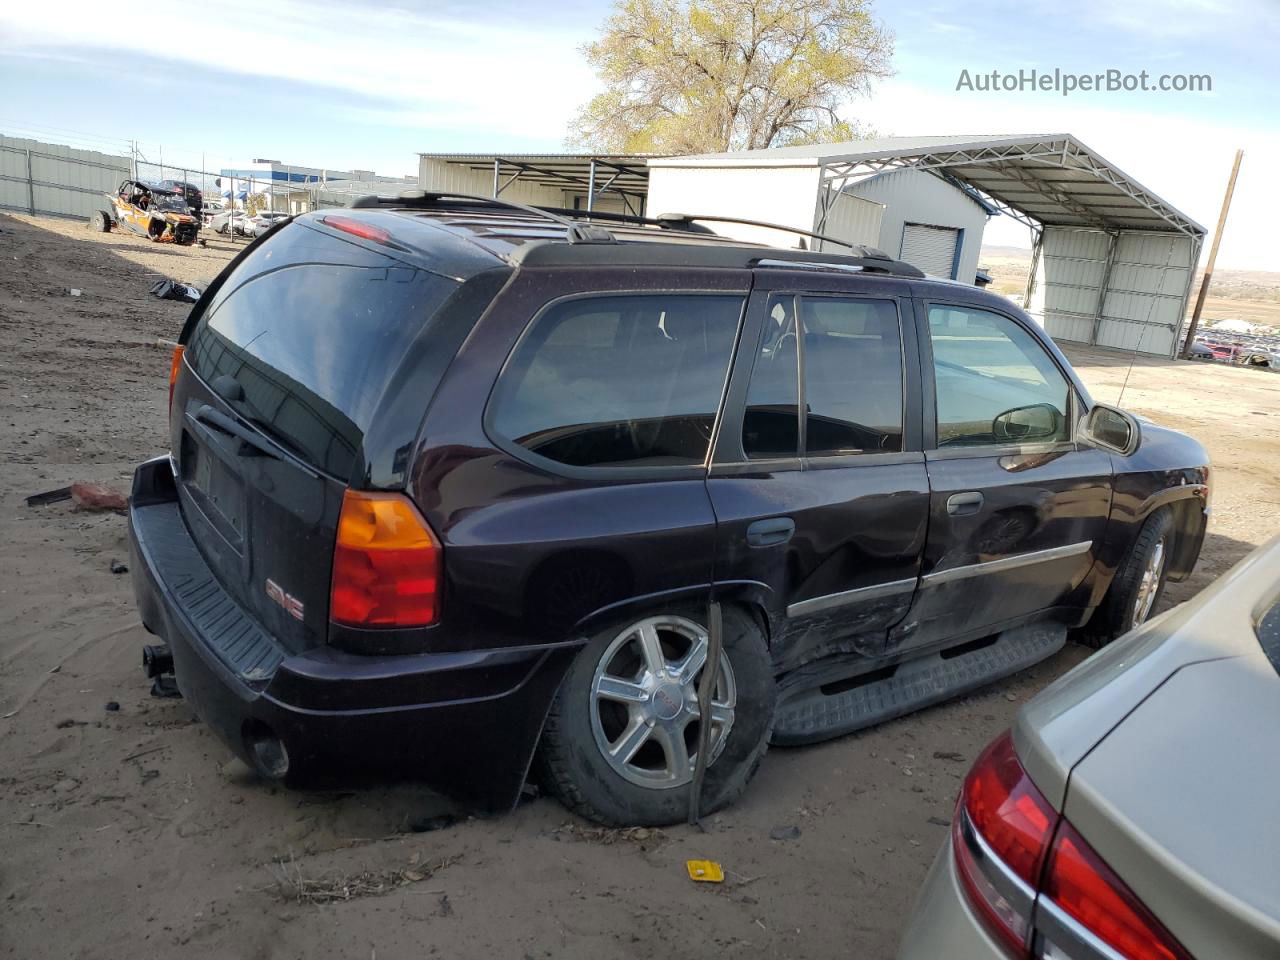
{"x":1001,"y":836}
{"x":174,"y":366}
{"x":1032,"y":879}
{"x":386,"y":564}
{"x":1086,"y":889}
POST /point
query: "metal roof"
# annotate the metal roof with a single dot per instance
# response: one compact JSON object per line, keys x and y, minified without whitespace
{"x":1039,"y":179}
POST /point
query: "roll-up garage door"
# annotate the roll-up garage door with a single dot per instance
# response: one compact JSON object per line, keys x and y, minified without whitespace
{"x":932,"y":249}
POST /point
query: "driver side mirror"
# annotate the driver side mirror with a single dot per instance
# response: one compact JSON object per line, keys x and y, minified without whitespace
{"x":1039,"y":421}
{"x":1112,"y":429}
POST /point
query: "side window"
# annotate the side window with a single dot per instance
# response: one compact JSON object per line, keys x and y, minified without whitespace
{"x":852,"y":376}
{"x":771,"y":421}
{"x":619,"y":381}
{"x":995,"y":382}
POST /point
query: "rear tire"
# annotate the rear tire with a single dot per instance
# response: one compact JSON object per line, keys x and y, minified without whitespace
{"x":1138,"y":584}
{"x":650,"y":786}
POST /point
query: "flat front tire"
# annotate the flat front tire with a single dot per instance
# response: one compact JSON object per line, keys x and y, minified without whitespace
{"x":621,"y":738}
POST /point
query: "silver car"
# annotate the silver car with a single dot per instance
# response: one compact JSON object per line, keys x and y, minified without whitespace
{"x":1134,"y":809}
{"x":264,"y":221}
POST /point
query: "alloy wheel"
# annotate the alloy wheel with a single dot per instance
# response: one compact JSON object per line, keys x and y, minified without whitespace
{"x":644,"y":701}
{"x":1149,"y":585}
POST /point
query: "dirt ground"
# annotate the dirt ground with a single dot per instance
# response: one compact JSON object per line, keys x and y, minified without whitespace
{"x":127,"y":830}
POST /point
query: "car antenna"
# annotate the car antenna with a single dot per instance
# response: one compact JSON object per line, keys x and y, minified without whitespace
{"x":1151,"y":306}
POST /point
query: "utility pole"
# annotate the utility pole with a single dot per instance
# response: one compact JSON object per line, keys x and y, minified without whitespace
{"x":1213,"y":257}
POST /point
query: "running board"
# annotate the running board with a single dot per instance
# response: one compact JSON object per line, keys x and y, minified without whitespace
{"x":808,"y":715}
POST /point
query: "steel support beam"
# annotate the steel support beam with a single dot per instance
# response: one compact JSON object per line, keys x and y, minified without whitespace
{"x":1113,"y":237}
{"x":1036,"y":246}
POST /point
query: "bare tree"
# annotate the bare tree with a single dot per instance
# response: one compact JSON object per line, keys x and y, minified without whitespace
{"x":692,"y":76}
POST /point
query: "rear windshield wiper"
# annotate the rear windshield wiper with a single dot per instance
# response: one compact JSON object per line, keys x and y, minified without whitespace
{"x":221,"y":422}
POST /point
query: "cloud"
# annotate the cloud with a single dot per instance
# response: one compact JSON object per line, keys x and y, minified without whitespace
{"x":432,"y":67}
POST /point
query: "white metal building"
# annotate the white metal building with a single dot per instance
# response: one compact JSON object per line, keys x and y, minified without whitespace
{"x":935,"y":223}
{"x":932,"y":222}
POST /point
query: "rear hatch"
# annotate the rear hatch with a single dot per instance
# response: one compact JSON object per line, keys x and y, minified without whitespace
{"x":284,"y":368}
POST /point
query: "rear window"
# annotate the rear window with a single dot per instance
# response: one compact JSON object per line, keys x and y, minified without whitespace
{"x":619,"y":381}
{"x":312,"y":327}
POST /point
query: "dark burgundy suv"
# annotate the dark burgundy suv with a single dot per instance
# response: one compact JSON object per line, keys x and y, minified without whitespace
{"x":457,"y":489}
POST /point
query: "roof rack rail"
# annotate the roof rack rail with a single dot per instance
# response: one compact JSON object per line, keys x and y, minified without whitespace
{"x":862,"y":249}
{"x":691,"y":222}
{"x":425,"y":199}
{"x":668,"y":223}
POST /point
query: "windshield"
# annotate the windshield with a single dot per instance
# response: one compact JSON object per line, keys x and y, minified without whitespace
{"x":169,"y":201}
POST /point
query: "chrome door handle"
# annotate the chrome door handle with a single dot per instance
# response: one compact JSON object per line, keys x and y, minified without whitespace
{"x":964,"y":504}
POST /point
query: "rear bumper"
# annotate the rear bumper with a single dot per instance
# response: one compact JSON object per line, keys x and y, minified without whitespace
{"x":465,"y":722}
{"x":942,"y":925}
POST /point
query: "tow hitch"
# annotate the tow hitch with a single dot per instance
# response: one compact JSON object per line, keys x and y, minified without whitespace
{"x":157,"y":664}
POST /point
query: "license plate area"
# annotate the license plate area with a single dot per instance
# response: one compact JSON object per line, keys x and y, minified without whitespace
{"x":216,"y":487}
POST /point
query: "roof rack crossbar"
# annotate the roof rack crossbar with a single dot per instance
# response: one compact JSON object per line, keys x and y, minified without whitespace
{"x":575,"y":232}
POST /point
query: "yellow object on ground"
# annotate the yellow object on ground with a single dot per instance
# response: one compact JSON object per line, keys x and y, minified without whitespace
{"x":705,"y":871}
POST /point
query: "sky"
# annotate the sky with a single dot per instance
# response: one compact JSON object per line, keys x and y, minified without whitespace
{"x":369,"y":85}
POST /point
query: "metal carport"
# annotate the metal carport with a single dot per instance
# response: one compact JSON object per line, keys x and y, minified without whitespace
{"x":1112,"y":262}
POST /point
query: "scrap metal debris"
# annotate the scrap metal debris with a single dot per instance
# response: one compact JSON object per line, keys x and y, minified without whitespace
{"x":49,"y":496}
{"x":172,"y":290}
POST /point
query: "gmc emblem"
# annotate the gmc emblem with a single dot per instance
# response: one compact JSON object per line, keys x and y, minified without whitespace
{"x":291,"y":604}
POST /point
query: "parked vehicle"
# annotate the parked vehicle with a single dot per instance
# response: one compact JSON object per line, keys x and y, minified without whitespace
{"x":264,"y":221}
{"x":189,"y":192}
{"x":1131,"y":811}
{"x":147,"y":210}
{"x":452,"y":483}
{"x":210,"y":210}
{"x":1254,"y":356}
{"x":227,"y":220}
{"x":1226,"y":352}
{"x":1199,"y":351}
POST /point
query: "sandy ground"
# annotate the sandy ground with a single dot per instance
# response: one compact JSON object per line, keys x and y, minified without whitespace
{"x":132,"y":832}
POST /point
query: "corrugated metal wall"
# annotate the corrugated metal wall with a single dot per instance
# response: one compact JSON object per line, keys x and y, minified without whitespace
{"x":1145,"y":292}
{"x":853,"y":220}
{"x":55,"y":180}
{"x":448,"y":177}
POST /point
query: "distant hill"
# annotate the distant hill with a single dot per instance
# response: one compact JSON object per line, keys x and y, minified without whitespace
{"x":999,"y":251}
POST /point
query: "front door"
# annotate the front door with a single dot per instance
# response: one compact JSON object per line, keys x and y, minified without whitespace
{"x":821,"y":517}
{"x":1018,"y":508}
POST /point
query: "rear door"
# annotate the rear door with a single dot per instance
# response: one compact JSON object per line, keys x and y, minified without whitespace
{"x":1018,"y":508}
{"x":821,"y":518}
{"x":284,"y":370}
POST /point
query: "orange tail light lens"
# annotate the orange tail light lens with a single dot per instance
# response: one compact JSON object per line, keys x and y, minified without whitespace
{"x":386,"y":564}
{"x":174,"y":366}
